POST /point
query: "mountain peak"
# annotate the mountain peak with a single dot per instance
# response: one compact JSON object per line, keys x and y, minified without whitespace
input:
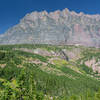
{"x":59,"y":27}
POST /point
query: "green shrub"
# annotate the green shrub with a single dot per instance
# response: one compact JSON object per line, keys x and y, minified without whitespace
{"x":2,"y":55}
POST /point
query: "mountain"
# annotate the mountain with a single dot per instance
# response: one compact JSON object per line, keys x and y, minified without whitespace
{"x":60,"y":27}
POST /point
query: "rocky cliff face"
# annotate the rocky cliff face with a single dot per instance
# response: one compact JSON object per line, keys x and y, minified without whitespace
{"x":59,"y":27}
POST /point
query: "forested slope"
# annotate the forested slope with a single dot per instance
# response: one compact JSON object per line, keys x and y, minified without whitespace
{"x":45,"y":72}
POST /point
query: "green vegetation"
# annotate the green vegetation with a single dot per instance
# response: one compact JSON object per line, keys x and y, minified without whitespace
{"x":30,"y":76}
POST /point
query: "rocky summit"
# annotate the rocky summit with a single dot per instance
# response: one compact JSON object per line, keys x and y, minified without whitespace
{"x":59,"y":28}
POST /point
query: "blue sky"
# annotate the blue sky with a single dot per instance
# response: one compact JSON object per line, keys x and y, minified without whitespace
{"x":11,"y":11}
